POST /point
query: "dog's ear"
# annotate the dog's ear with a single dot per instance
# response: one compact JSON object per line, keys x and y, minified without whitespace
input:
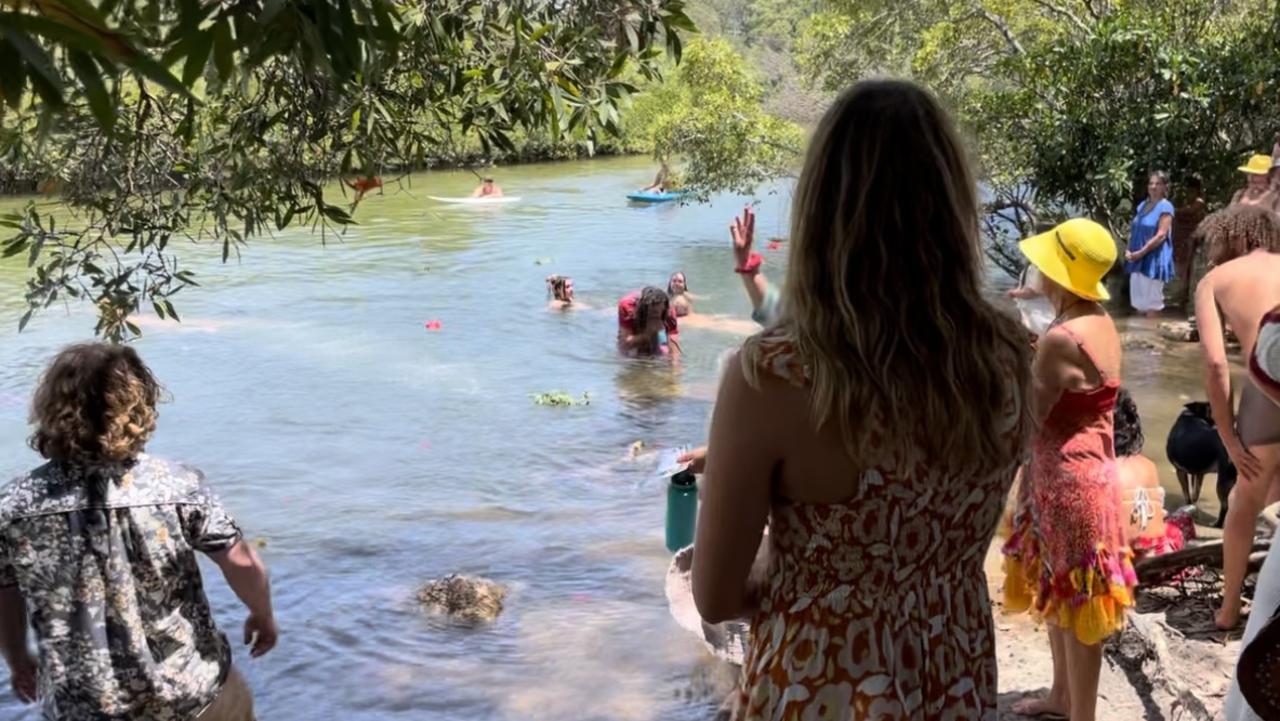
{"x":1200,"y":409}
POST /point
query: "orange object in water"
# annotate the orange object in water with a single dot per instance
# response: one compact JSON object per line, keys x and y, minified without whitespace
{"x":433,"y":325}
{"x":364,"y":185}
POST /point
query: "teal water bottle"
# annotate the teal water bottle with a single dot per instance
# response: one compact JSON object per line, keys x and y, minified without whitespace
{"x":682,"y":510}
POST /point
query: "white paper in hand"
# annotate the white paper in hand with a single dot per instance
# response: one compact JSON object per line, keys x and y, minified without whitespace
{"x":668,"y":465}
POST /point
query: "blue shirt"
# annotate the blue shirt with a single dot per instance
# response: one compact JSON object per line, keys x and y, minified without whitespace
{"x":1158,"y":264}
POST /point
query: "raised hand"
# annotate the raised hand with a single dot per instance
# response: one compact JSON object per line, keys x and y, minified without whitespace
{"x":743,"y":230}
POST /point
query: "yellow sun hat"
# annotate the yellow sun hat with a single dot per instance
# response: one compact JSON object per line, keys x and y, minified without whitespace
{"x":1257,"y":165}
{"x":1075,"y":255}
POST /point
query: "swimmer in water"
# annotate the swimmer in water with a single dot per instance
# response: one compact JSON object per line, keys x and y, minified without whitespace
{"x":681,"y":298}
{"x":487,"y":189}
{"x":560,"y":289}
{"x":647,"y":324}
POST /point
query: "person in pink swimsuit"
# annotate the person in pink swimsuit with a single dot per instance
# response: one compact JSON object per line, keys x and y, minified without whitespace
{"x":1067,"y":560}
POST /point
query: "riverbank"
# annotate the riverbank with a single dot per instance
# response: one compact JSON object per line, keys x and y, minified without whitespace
{"x":16,"y":182}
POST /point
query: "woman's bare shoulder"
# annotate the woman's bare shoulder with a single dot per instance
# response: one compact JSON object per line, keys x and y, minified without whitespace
{"x":773,"y":354}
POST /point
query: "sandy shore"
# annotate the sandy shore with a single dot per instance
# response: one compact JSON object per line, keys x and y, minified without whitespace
{"x":1186,"y":679}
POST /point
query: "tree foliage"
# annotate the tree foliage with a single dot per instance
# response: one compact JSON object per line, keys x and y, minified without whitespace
{"x":159,"y":120}
{"x":1071,"y":103}
{"x":710,"y":114}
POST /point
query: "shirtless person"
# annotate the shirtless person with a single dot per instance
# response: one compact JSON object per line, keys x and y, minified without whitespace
{"x":1243,"y":286}
{"x":487,"y":189}
{"x":1259,"y":191}
{"x":661,"y":181}
{"x":560,"y":289}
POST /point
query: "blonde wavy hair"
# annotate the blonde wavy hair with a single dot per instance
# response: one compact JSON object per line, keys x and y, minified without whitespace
{"x":884,"y":296}
{"x":96,"y":403}
{"x":1239,"y":230}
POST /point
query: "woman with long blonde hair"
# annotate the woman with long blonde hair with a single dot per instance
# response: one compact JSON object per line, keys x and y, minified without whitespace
{"x":876,"y":429}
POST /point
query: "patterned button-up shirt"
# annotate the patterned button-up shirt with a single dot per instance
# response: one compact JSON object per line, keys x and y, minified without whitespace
{"x":109,"y":574}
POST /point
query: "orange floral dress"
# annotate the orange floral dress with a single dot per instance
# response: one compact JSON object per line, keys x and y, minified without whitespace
{"x":877,"y":607}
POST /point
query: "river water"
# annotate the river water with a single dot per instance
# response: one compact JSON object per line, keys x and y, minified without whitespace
{"x":370,"y":454}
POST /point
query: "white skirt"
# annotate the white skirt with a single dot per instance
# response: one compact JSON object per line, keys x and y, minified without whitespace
{"x":1266,"y":599}
{"x":1146,"y":295}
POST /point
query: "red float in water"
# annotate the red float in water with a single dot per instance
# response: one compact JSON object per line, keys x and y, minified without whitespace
{"x":433,"y":325}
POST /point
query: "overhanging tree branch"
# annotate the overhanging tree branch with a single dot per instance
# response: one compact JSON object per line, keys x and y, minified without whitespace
{"x":1066,"y":14}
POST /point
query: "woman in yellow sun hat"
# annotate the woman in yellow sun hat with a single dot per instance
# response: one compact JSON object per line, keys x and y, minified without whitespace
{"x":1066,"y":560}
{"x":1258,"y":191}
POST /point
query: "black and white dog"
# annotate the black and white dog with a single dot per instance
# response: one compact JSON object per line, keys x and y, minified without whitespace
{"x":1195,"y":450}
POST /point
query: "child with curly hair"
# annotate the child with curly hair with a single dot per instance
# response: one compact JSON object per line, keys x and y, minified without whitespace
{"x":99,"y":544}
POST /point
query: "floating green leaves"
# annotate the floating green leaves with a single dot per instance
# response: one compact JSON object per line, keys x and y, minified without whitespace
{"x":560,"y":398}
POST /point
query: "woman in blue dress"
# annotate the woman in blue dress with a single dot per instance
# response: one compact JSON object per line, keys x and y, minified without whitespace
{"x":1149,"y":260}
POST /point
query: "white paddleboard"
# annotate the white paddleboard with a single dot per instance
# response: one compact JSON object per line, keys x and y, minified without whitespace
{"x":476,"y":201}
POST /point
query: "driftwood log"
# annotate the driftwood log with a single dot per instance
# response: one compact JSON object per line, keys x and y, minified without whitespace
{"x":1142,"y":651}
{"x":1209,"y":553}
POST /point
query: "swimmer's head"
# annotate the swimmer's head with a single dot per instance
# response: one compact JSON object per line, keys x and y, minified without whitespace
{"x":487,"y":181}
{"x":677,"y":284}
{"x":1128,"y":426}
{"x":1240,"y":230}
{"x":560,"y":287}
{"x":652,"y":308}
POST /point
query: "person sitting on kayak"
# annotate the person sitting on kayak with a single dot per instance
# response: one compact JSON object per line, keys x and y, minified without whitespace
{"x":487,"y":189}
{"x":560,"y":288}
{"x":665,"y":181}
{"x":647,"y":324}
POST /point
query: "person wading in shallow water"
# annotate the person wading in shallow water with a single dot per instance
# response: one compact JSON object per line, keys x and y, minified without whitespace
{"x":99,"y":545}
{"x":1242,"y":287}
{"x":560,"y":288}
{"x":875,"y":428}
{"x":647,"y":324}
{"x":678,"y":291}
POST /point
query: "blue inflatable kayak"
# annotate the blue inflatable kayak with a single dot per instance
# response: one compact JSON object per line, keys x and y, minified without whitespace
{"x":648,"y":196}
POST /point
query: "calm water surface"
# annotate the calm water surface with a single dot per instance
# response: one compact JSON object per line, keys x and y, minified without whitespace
{"x":370,"y":454}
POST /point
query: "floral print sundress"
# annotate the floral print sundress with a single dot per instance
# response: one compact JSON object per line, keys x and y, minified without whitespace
{"x":877,"y":607}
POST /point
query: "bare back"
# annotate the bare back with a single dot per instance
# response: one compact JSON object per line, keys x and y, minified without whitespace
{"x":1268,"y":199}
{"x":814,"y":464}
{"x":1078,"y":355}
{"x":1244,"y":290}
{"x":1103,"y":356}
